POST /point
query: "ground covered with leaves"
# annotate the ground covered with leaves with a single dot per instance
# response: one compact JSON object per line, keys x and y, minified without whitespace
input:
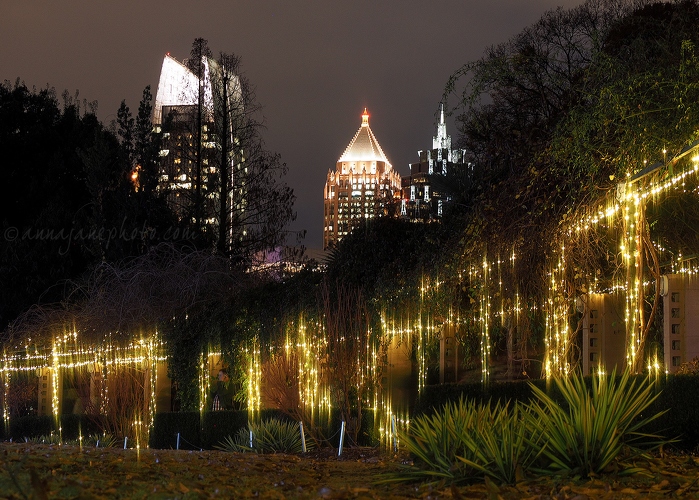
{"x":50,"y":471}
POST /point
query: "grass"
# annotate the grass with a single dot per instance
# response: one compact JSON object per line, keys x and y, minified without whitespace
{"x":49,"y":471}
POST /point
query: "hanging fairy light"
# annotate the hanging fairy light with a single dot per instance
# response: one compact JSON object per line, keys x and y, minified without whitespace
{"x":625,"y":208}
{"x":485,"y":323}
{"x":68,"y":353}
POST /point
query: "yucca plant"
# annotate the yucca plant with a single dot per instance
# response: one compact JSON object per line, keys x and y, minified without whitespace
{"x":104,"y":440}
{"x":436,"y":440}
{"x":53,"y":438}
{"x":269,"y":436}
{"x":503,"y":446}
{"x":467,"y":441}
{"x":594,"y":426}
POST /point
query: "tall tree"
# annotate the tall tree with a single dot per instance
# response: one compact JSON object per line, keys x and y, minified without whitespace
{"x":141,"y":206}
{"x":556,"y":116}
{"x":46,"y":238}
{"x":198,"y":65}
{"x":255,"y":203}
{"x":241,"y":180}
{"x":512,"y":104}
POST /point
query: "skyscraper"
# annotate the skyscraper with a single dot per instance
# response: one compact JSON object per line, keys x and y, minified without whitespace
{"x":183,"y":112}
{"x":363,"y":185}
{"x":201,"y":168}
{"x":423,"y":199}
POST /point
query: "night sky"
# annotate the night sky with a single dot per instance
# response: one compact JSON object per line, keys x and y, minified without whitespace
{"x":315,"y":64}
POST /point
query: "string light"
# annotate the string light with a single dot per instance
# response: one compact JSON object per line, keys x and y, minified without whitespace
{"x":412,"y":327}
{"x":68,"y":354}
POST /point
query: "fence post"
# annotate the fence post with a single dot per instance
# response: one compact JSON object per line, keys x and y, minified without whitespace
{"x":303,"y":438}
{"x":342,"y":438}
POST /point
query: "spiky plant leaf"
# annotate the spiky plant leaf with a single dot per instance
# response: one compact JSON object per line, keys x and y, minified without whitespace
{"x":269,"y":436}
{"x":596,"y":425}
{"x":468,"y":441}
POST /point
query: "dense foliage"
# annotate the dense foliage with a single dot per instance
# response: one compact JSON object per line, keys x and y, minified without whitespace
{"x":556,"y":115}
{"x":70,"y":193}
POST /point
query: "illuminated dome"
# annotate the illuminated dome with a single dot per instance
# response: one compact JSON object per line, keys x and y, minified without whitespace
{"x":364,"y":185}
{"x":364,"y":146}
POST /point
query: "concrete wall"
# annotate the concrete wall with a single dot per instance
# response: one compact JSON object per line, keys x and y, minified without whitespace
{"x":680,"y":319}
{"x":604,"y":333}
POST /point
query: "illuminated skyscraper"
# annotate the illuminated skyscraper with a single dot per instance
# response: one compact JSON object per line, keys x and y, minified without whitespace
{"x":363,"y":185}
{"x":176,"y":113}
{"x":199,"y":148}
{"x":422,"y":198}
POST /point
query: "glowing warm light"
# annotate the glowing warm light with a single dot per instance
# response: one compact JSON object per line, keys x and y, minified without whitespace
{"x":485,"y":324}
{"x":620,"y":216}
{"x":624,"y":210}
{"x":68,"y":353}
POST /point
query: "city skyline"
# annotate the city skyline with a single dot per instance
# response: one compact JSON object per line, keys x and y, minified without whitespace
{"x":315,"y":66}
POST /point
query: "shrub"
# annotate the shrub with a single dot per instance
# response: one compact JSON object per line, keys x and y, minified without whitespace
{"x":103,"y":440}
{"x":677,"y":394}
{"x":433,"y":398}
{"x":328,"y":429}
{"x":168,"y":425}
{"x":218,"y":424}
{"x":595,"y":425}
{"x":73,"y":426}
{"x":469,"y":440}
{"x":577,"y":429}
{"x":680,"y":398}
{"x":269,"y":436}
{"x":52,"y":438}
{"x":32,"y":426}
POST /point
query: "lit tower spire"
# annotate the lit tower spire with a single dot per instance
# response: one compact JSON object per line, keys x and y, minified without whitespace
{"x":363,"y":147}
{"x":442,"y":140}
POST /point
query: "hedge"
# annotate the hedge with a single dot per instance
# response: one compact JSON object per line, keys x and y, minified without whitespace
{"x":220,"y":424}
{"x":167,"y":426}
{"x":678,"y":396}
{"x":72,"y":427}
